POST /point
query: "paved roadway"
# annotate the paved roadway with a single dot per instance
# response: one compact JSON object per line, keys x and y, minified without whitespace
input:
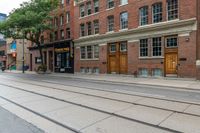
{"x":62,"y":105}
{"x":163,"y":92}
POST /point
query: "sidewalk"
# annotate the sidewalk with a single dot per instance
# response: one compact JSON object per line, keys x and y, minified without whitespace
{"x":182,"y":83}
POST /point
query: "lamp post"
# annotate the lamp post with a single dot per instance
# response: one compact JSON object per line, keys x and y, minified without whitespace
{"x":23,"y":56}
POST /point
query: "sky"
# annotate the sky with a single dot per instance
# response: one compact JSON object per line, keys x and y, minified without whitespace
{"x":6,"y":6}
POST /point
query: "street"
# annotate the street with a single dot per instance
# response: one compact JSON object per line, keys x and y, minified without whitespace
{"x":72,"y":104}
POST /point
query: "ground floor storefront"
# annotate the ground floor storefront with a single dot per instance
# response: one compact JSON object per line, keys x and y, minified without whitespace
{"x":58,"y":57}
{"x":167,"y":49}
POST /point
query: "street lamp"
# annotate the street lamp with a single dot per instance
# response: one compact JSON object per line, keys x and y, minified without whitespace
{"x":23,"y":56}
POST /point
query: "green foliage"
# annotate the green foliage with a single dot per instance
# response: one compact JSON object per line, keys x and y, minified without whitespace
{"x":42,"y":68}
{"x":30,"y":20}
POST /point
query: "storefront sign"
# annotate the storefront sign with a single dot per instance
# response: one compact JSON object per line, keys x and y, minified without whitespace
{"x":62,"y":50}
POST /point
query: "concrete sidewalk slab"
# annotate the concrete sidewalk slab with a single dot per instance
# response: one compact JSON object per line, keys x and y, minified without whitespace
{"x":102,"y":104}
{"x":183,"y":123}
{"x":123,"y":97}
{"x":47,"y":126}
{"x":146,"y":114}
{"x":77,"y":117}
{"x":193,"y":109}
{"x":176,"y":106}
{"x":118,"y":125}
{"x":46,"y":105}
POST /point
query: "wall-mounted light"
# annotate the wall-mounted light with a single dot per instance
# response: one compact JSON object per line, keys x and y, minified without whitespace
{"x":187,"y":39}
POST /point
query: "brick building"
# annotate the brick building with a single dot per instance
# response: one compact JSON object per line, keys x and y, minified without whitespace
{"x":144,"y":37}
{"x":2,"y":43}
{"x":57,"y":47}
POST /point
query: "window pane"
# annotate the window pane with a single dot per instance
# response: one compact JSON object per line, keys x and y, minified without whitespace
{"x":172,"y":8}
{"x":157,"y":48}
{"x":112,"y":47}
{"x":83,"y":52}
{"x":111,"y":23}
{"x":96,"y":27}
{"x":123,"y":46}
{"x":124,"y":20}
{"x":172,"y":42}
{"x":123,"y":2}
{"x":110,"y":3}
{"x":157,"y":12}
{"x":82,"y":11}
{"x":143,"y":47}
{"x":82,"y":30}
{"x":96,"y":51}
{"x":144,"y":15}
{"x":89,"y":52}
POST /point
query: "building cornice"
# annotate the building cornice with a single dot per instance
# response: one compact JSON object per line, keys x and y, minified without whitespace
{"x":163,"y":28}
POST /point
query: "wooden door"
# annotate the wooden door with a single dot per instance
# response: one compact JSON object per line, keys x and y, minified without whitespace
{"x":117,"y":58}
{"x":123,"y":63}
{"x":113,"y":64}
{"x":171,"y":60}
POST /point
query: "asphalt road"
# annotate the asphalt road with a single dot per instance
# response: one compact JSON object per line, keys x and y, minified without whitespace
{"x":165,"y":92}
{"x":10,"y":123}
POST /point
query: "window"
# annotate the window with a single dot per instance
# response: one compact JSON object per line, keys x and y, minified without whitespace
{"x":143,"y":72}
{"x":67,"y":1}
{"x":89,"y":28}
{"x":55,"y":21}
{"x":157,"y":47}
{"x":51,"y":37}
{"x":96,"y":27}
{"x":83,"y":55}
{"x":82,"y":11}
{"x":96,"y":6}
{"x":62,"y":34}
{"x":67,"y":17}
{"x":96,"y":51}
{"x":68,"y":33}
{"x":110,"y":4}
{"x":89,"y":52}
{"x":157,"y":12}
{"x":124,"y":20}
{"x":157,"y":72}
{"x":123,"y":2}
{"x":144,"y":15}
{"x":172,"y":9}
{"x":89,"y":10}
{"x":123,"y":46}
{"x":62,"y":2}
{"x":110,"y":23}
{"x":61,"y":20}
{"x":56,"y":35}
{"x":143,"y":47}
{"x":113,"y":47}
{"x":172,"y":42}
{"x":82,"y":30}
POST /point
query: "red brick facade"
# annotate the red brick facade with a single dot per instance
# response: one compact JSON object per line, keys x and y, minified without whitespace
{"x":184,"y":28}
{"x":57,"y":42}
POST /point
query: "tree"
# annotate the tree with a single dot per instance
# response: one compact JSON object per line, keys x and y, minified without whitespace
{"x":30,"y":21}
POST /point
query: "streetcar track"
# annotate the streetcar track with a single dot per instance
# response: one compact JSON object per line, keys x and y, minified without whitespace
{"x":134,"y":103}
{"x":102,"y":90}
{"x":80,"y":105}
